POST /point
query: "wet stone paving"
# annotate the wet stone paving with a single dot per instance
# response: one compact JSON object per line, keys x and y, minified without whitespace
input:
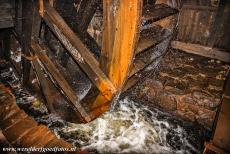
{"x":134,"y":124}
{"x":187,"y":86}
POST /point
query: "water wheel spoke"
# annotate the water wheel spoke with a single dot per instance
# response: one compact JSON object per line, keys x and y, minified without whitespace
{"x":153,"y":13}
{"x":150,"y":37}
{"x":65,"y":87}
{"x":78,"y":51}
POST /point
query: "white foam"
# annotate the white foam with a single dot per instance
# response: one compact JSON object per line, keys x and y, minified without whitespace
{"x":126,"y":129}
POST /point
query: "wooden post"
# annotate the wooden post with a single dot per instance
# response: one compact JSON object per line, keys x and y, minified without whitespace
{"x":121,"y":28}
{"x":6,"y":43}
{"x":30,"y":28}
{"x":18,"y":17}
{"x":27,"y":16}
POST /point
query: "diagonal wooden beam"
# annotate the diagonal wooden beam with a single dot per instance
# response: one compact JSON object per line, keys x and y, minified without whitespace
{"x":46,"y":86}
{"x":78,"y":51}
{"x":62,"y":83}
{"x":86,"y":12}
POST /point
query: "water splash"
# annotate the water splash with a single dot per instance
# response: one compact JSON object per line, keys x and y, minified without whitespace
{"x":129,"y":128}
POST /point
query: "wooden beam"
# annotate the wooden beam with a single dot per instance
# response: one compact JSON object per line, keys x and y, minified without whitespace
{"x":85,"y":12}
{"x":6,"y":43}
{"x":121,"y":32}
{"x":151,"y":37}
{"x":27,"y":20}
{"x":62,"y":83}
{"x":78,"y":51}
{"x":153,"y":13}
{"x":18,"y":17}
{"x":198,"y":7}
{"x":120,"y":35}
{"x":202,"y":50}
{"x":30,"y":29}
{"x":45,"y":85}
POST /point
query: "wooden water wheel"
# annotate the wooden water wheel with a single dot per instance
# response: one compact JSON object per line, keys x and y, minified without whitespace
{"x":131,"y":29}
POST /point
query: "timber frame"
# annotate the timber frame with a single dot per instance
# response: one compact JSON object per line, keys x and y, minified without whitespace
{"x":108,"y":74}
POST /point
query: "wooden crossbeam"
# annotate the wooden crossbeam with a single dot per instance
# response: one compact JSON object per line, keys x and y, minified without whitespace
{"x":151,"y":37}
{"x":78,"y":51}
{"x":62,"y":83}
{"x":153,"y":13}
{"x":202,"y":50}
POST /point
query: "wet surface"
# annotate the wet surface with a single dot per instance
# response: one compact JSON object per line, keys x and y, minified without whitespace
{"x":128,"y":128}
{"x":185,"y":85}
{"x":134,"y":128}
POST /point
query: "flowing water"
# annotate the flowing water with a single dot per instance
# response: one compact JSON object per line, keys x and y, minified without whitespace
{"x":129,"y":128}
{"x":132,"y":128}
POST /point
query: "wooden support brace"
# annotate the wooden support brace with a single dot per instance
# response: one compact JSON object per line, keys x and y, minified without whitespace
{"x":62,"y":83}
{"x":78,"y":51}
{"x":120,"y":35}
{"x":27,"y":15}
{"x":121,"y":27}
{"x":85,"y":14}
{"x":45,"y":86}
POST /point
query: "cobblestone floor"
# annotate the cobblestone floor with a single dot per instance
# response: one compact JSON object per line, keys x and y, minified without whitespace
{"x":186,"y":85}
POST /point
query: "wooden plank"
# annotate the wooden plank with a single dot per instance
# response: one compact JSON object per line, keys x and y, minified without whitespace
{"x":85,"y":13}
{"x":151,"y":37}
{"x":202,"y":50}
{"x":45,"y":85}
{"x":198,"y":7}
{"x":78,"y":51}
{"x":152,"y":13}
{"x":56,"y":75}
{"x":140,"y":76}
{"x":132,"y":81}
{"x":143,"y":60}
{"x":150,"y":58}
